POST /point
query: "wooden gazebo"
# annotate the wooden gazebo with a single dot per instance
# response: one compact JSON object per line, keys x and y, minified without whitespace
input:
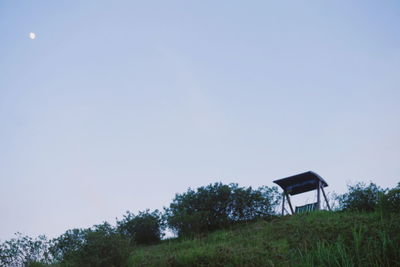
{"x":301,"y":183}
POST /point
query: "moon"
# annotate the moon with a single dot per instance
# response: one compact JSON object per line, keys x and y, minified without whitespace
{"x":32,"y":35}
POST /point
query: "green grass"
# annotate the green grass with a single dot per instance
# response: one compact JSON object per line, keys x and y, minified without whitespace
{"x":315,"y":239}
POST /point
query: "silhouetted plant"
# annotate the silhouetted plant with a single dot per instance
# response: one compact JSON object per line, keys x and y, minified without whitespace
{"x":393,"y":199}
{"x":248,"y":204}
{"x":389,"y":203}
{"x":98,"y":246}
{"x":217,"y":206}
{"x":143,"y":228}
{"x":25,"y":251}
{"x":68,"y":245}
{"x":361,"y":197}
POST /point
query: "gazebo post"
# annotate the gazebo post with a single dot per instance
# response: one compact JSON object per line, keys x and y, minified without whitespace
{"x":319,"y":196}
{"x":326,"y":199}
{"x":283,"y":203}
{"x":290,"y":203}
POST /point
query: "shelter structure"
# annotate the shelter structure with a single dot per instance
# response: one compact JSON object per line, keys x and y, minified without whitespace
{"x":301,"y":183}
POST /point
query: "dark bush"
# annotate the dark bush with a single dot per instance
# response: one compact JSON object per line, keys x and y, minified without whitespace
{"x":217,"y":206}
{"x":393,"y":199}
{"x":25,"y":251}
{"x":98,"y":246}
{"x":248,"y":204}
{"x":200,"y":211}
{"x":144,"y":228}
{"x":361,"y":197}
{"x":390,"y":202}
{"x":69,"y":245}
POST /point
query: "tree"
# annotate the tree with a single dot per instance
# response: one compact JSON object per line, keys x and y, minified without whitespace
{"x":390,"y":202}
{"x":393,"y":199}
{"x":144,"y":228}
{"x":200,"y":211}
{"x":25,"y":251}
{"x":216,"y":206}
{"x":361,"y":197}
{"x":248,"y":204}
{"x":98,"y":246}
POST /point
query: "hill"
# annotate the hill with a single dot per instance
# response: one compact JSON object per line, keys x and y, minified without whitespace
{"x":315,"y":239}
{"x":228,"y":225}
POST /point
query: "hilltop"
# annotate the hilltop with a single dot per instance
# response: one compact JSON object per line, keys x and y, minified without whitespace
{"x":228,"y":225}
{"x":315,"y":239}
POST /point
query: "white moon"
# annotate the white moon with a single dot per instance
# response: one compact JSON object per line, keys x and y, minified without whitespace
{"x":32,"y":35}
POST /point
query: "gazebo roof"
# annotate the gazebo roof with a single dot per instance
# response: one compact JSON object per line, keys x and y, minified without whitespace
{"x":301,"y":183}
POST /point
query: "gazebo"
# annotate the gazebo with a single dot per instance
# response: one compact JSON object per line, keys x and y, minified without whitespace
{"x":301,"y":183}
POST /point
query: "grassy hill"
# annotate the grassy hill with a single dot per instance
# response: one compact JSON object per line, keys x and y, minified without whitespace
{"x":365,"y":232}
{"x":315,"y":239}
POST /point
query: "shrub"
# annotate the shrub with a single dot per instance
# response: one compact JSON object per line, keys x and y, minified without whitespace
{"x":144,"y":228}
{"x":68,"y":246}
{"x":25,"y":251}
{"x":390,"y":202}
{"x":199,"y":211}
{"x":393,"y":199}
{"x":217,"y":206}
{"x":248,"y":204}
{"x":98,"y":246}
{"x":361,"y":197}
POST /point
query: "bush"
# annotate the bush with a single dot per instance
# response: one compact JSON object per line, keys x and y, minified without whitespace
{"x":69,"y":245}
{"x":98,"y":246}
{"x":144,"y":228}
{"x":217,"y":206}
{"x":25,"y":251}
{"x":390,"y":202}
{"x":393,"y":199}
{"x":361,"y":197}
{"x":248,"y":204}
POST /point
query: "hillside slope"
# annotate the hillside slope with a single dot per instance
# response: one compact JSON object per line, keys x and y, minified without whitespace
{"x":316,"y":239}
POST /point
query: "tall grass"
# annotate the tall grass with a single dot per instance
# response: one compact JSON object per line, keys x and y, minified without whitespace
{"x":368,"y":243}
{"x":363,"y":251}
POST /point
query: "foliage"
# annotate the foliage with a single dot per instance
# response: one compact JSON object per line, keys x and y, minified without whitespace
{"x":248,"y":204}
{"x":361,"y":197}
{"x":68,"y":245}
{"x":144,"y":228}
{"x":24,"y":251}
{"x":98,"y":246}
{"x":217,"y":206}
{"x":390,"y":202}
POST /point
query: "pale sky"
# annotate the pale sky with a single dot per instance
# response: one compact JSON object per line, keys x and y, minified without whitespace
{"x":118,"y":105}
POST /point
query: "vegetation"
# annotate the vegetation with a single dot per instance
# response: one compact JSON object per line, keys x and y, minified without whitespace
{"x":217,"y":206}
{"x":145,"y":228}
{"x":24,"y":250}
{"x":361,"y":197}
{"x":228,"y":225}
{"x":390,"y":202}
{"x":100,"y":246}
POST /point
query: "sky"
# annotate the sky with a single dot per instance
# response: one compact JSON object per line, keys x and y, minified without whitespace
{"x":119,"y":105}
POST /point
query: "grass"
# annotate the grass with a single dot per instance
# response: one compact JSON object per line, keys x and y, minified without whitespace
{"x":315,"y":239}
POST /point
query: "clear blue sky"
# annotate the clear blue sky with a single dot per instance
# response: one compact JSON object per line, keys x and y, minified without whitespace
{"x":118,"y":105}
